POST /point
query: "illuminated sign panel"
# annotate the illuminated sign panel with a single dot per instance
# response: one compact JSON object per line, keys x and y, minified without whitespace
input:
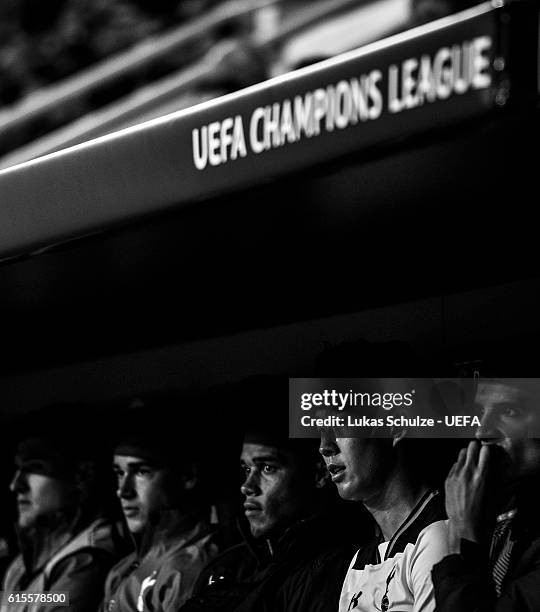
{"x":435,"y":76}
{"x":416,"y":77}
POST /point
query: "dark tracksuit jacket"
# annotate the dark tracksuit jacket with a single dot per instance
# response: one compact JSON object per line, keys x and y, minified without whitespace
{"x":304,"y":572}
{"x":463,"y":582}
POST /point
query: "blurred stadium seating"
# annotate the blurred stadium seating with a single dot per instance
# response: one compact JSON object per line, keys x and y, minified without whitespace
{"x":72,"y":70}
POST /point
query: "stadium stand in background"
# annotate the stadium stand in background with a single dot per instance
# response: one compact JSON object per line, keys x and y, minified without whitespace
{"x":72,"y":70}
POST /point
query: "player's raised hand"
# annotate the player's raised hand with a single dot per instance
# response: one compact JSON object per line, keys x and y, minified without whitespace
{"x":465,"y":494}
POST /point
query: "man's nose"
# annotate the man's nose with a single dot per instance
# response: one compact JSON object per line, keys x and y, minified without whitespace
{"x":251,"y":484}
{"x":328,"y":446}
{"x":489,"y":426}
{"x":19,"y":482}
{"x":126,"y":490}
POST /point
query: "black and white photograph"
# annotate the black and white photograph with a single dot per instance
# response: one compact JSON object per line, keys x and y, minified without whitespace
{"x":269,"y":298}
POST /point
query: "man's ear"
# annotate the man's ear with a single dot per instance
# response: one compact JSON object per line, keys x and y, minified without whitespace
{"x":190,"y":477}
{"x":398,"y":432}
{"x":85,"y":474}
{"x":85,"y":478}
{"x":322,"y":477}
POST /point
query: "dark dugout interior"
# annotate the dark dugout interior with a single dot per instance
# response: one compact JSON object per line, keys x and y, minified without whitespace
{"x":429,"y":242}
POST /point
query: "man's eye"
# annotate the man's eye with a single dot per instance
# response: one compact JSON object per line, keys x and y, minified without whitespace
{"x":269,"y":469}
{"x":246,"y":469}
{"x":143,"y":472}
{"x":478,"y":410}
{"x":509,"y":411}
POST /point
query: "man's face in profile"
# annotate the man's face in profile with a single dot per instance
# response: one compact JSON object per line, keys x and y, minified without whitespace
{"x":144,"y":489}
{"x":357,"y":466}
{"x":275,"y":488}
{"x":38,"y":496}
{"x":509,"y":420}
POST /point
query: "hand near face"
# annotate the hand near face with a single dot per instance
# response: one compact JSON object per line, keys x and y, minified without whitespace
{"x":465,"y":494}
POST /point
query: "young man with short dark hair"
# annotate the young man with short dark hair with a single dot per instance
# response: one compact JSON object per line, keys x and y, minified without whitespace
{"x":294,"y":550}
{"x":157,"y":485}
{"x":67,"y":544}
{"x":394,"y":569}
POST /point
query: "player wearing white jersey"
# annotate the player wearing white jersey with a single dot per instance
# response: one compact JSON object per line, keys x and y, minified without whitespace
{"x":393,"y":572}
{"x":395,"y":575}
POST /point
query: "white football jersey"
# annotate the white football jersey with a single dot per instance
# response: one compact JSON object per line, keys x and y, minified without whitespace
{"x":397,"y":577}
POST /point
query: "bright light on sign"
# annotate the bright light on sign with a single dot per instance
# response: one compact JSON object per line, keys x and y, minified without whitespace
{"x":452,"y":70}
